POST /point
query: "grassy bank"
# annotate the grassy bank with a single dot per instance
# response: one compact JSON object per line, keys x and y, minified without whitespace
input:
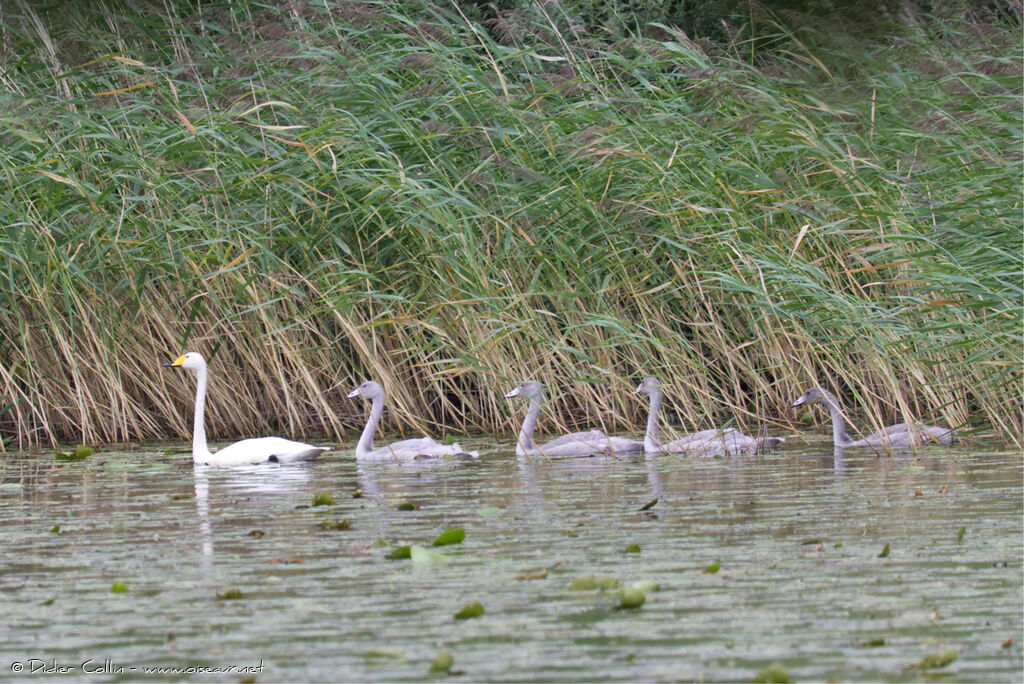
{"x":316,"y":194}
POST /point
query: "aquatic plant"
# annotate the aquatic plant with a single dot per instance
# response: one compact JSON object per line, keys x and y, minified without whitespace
{"x":316,"y":195}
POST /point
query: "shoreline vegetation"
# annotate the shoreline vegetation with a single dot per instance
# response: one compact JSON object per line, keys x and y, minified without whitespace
{"x":450,"y":199}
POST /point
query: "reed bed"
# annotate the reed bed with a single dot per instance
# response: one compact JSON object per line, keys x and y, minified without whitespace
{"x":319,"y":193}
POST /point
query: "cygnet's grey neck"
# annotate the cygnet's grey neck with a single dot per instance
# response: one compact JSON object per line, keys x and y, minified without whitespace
{"x":365,"y":444}
{"x":526,"y":444}
{"x":651,"y":436}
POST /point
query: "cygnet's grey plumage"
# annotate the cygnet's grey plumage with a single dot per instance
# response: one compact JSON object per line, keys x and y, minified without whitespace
{"x":405,"y":450}
{"x":901,"y":435}
{"x":587,"y":443}
{"x":712,"y":442}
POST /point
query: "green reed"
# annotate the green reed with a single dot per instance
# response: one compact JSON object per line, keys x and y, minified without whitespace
{"x":320,"y":193}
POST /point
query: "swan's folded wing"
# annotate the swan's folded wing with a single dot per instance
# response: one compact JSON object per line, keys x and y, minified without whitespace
{"x":263,"y":450}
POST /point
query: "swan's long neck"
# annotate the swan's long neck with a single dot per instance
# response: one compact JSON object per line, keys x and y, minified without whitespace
{"x":199,"y":449}
{"x":839,"y":436}
{"x":651,"y":436}
{"x":365,"y":444}
{"x":526,"y":445}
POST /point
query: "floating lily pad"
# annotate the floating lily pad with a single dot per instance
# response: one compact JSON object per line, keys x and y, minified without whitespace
{"x":773,"y":674}
{"x":384,"y":654}
{"x":407,"y":506}
{"x":422,"y":555}
{"x":118,"y":587}
{"x":533,"y":574}
{"x":630,"y":598}
{"x":470,"y":611}
{"x":334,"y":525}
{"x":590,"y":583}
{"x":323,"y":499}
{"x":934,"y":660}
{"x":885,"y":552}
{"x":81,"y":452}
{"x":400,"y":553}
{"x":443,"y":662}
{"x":229,"y":595}
{"x":55,"y":529}
{"x":453,"y":536}
{"x":713,"y":568}
{"x":647,"y":586}
{"x":960,"y":534}
{"x":631,"y":548}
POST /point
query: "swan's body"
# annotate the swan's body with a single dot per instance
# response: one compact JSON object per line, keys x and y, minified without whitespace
{"x":587,"y":443}
{"x":713,"y":442}
{"x":901,"y":435}
{"x":405,"y":450}
{"x":247,"y":451}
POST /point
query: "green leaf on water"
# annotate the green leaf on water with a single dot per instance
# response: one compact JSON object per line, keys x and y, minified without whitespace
{"x":875,"y":642}
{"x":400,"y":553}
{"x":837,"y":545}
{"x":334,"y":525}
{"x":960,"y":534}
{"x":418,"y":554}
{"x":229,"y":595}
{"x":631,"y":548}
{"x":323,"y":499}
{"x":934,"y":660}
{"x":631,"y":597}
{"x":470,"y":611}
{"x":453,"y":536}
{"x":810,"y":542}
{"x":55,"y":529}
{"x":81,"y":452}
{"x":407,"y":506}
{"x":383,"y":653}
{"x":773,"y":674}
{"x":650,"y":504}
{"x":443,"y":662}
{"x":118,"y":587}
{"x":713,"y":568}
{"x":885,"y":552}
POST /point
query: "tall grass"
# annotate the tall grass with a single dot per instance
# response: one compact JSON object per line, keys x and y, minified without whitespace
{"x":324,"y":192}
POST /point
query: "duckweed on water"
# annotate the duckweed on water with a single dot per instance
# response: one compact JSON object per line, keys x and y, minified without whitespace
{"x":118,"y":587}
{"x":631,"y":548}
{"x":773,"y":674}
{"x":229,"y":595}
{"x":934,"y":660}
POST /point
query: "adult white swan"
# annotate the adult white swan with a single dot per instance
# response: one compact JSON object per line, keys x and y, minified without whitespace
{"x":901,"y":435}
{"x":575,"y":444}
{"x":712,"y":442}
{"x":246,"y":452}
{"x":405,"y":450}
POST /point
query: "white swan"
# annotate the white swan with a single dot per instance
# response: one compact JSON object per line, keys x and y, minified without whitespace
{"x":894,"y":436}
{"x":246,"y":452}
{"x":406,"y":450}
{"x":713,"y":442}
{"x":574,"y":444}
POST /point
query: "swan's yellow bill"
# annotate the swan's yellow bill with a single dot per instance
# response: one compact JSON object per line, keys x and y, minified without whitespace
{"x":178,"y":361}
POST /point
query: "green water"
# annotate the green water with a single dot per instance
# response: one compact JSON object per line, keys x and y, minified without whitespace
{"x":797,"y":534}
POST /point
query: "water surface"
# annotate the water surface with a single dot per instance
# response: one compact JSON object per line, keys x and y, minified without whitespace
{"x":797,"y":535}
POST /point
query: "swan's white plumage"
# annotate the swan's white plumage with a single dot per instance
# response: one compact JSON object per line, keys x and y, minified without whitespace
{"x":587,"y":443}
{"x":247,"y":451}
{"x":901,"y":435}
{"x":405,"y":450}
